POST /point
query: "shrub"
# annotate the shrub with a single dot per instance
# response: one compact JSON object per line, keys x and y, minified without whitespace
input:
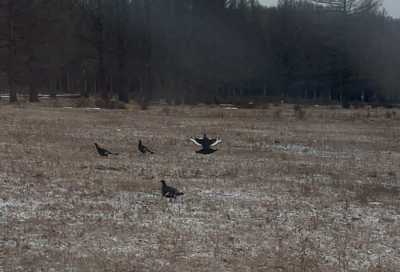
{"x":345,"y":104}
{"x":277,"y":114}
{"x":84,"y":102}
{"x":368,"y":113}
{"x":246,"y":105}
{"x":109,"y":104}
{"x":299,"y":112}
{"x":390,"y":114}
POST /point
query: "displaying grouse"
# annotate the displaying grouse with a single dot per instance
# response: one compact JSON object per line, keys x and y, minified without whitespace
{"x":206,"y":151}
{"x":143,"y":148}
{"x":103,"y":152}
{"x":169,"y":191}
{"x":206,"y":144}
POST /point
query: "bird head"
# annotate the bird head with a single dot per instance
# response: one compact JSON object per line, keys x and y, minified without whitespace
{"x":162,"y":181}
{"x":96,"y":144}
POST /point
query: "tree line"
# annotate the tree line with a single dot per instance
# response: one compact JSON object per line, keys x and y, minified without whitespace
{"x":199,"y":50}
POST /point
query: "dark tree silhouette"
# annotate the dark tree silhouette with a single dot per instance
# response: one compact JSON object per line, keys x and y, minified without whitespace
{"x":200,"y":51}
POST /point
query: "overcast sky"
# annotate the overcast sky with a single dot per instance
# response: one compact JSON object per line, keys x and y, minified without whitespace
{"x":391,"y":6}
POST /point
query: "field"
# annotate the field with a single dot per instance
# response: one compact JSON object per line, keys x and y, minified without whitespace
{"x":289,"y":189}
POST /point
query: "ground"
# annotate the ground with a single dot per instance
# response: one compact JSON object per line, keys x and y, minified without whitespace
{"x":289,"y":189}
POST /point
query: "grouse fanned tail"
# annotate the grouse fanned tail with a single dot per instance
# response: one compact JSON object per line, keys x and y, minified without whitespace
{"x":206,"y":144}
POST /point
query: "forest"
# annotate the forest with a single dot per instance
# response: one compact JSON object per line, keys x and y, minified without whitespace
{"x":190,"y":51}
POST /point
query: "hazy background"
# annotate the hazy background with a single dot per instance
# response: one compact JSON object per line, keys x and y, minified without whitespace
{"x":391,"y":6}
{"x":210,"y":51}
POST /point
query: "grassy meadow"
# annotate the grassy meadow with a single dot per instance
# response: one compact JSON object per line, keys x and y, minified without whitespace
{"x":311,"y":188}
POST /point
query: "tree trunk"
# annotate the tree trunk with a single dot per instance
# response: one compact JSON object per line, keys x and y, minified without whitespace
{"x":122,"y":52}
{"x":84,"y":90}
{"x":33,"y":92}
{"x":13,"y":92}
{"x":101,"y":82}
{"x":12,"y":53}
{"x":122,"y":92}
{"x":149,"y":51}
{"x":101,"y":71}
{"x":68,"y":82}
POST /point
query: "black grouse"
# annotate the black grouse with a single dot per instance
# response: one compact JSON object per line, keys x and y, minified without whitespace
{"x":142,"y":148}
{"x":168,"y":191}
{"x":206,"y":144}
{"x":103,"y":152}
{"x":206,"y":151}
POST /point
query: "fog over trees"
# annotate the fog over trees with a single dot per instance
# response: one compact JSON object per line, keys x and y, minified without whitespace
{"x":200,"y":50}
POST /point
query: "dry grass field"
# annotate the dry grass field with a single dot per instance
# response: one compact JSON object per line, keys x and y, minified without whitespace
{"x":311,"y":189}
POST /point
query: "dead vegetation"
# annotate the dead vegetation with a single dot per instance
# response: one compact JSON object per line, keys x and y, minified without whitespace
{"x":299,"y":112}
{"x":282,"y":193}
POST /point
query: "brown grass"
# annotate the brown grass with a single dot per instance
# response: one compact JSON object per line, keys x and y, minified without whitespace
{"x":282,"y":193}
{"x":299,"y":112}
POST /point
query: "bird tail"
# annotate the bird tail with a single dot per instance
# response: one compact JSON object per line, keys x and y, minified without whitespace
{"x":179,"y":193}
{"x":115,"y":154}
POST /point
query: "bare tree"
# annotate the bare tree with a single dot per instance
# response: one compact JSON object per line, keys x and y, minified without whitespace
{"x":122,"y":23}
{"x":351,"y":7}
{"x":9,"y":15}
{"x":94,"y":14}
{"x":194,"y":50}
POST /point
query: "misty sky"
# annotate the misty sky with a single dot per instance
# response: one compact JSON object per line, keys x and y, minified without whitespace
{"x":391,"y":6}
